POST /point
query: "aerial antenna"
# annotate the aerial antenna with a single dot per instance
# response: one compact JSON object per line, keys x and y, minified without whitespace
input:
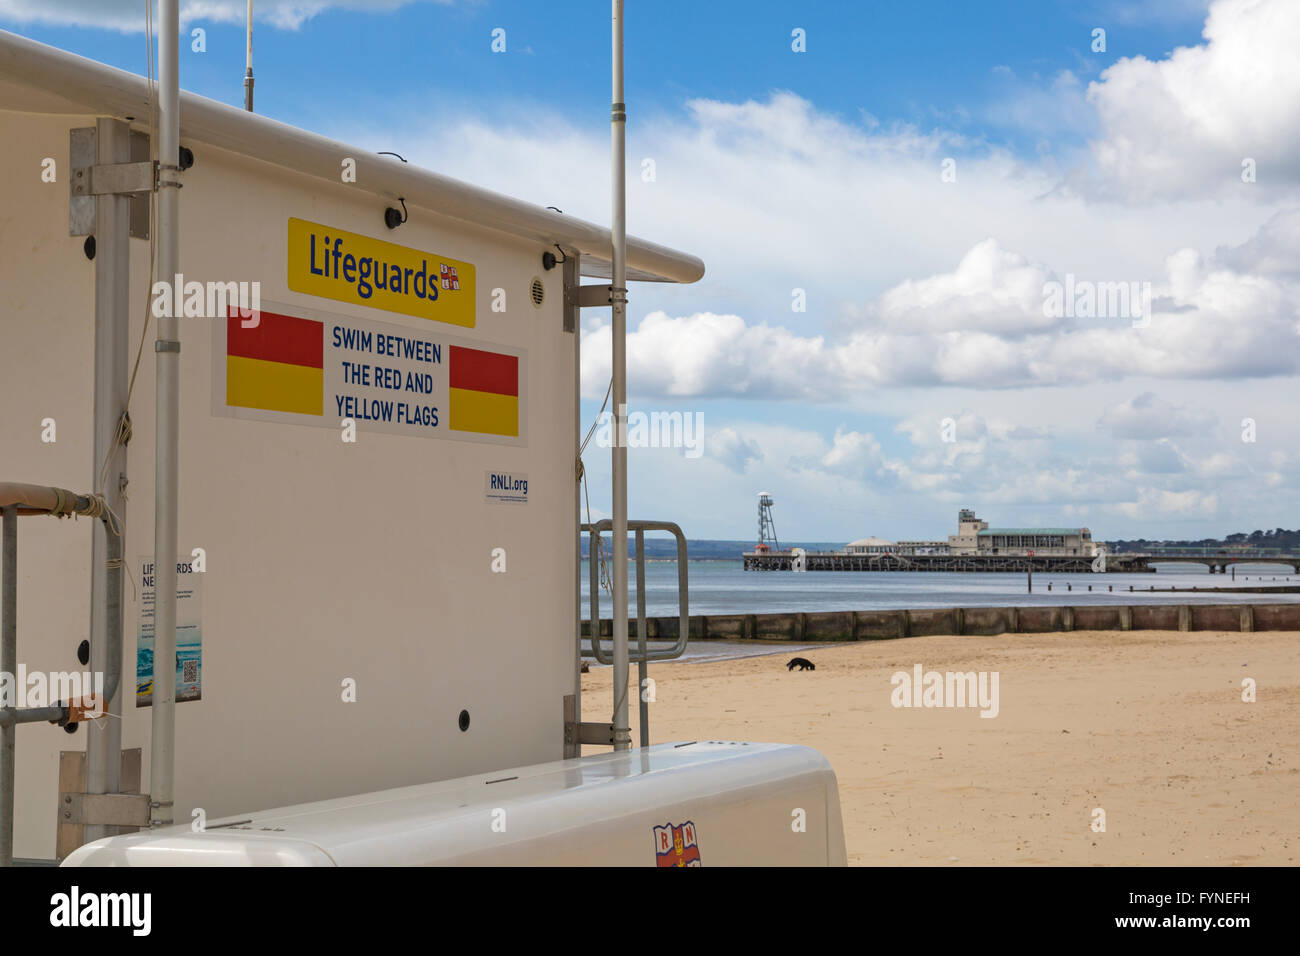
{"x":248,"y":63}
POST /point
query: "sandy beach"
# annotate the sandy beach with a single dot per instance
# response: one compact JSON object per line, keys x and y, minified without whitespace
{"x":1149,"y":726}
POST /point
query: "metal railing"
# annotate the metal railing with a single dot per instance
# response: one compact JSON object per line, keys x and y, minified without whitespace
{"x":63,"y":712}
{"x":643,"y":654}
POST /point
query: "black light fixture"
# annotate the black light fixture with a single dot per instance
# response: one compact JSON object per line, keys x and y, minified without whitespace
{"x":393,"y":218}
{"x":548,"y":258}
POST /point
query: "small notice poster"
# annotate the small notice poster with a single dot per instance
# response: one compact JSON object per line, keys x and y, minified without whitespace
{"x":189,"y":633}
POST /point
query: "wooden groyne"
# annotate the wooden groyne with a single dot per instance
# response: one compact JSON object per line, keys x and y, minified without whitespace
{"x":799,"y":627}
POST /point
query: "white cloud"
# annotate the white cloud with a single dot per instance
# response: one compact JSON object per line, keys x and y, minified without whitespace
{"x":776,"y":195}
{"x":1152,"y":501}
{"x":851,"y":482}
{"x":732,"y":450}
{"x":707,"y":354}
{"x":1158,"y":457}
{"x":855,"y":454}
{"x":1147,"y":417}
{"x":1181,"y":126}
{"x":976,"y":327}
{"x":128,"y":15}
{"x":991,"y":290}
{"x":1273,"y":251}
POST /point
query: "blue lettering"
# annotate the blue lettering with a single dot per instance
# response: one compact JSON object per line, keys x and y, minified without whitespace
{"x":312,"y":264}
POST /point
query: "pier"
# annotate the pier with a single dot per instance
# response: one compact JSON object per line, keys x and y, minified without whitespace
{"x":1126,"y":563}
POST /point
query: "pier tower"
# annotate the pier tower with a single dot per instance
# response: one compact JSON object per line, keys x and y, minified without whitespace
{"x":766,"y":527}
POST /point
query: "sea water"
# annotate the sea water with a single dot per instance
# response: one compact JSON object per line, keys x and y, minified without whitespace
{"x":723,"y":587}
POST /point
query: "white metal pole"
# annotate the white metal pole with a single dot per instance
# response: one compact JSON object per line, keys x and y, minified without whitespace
{"x":572,"y":279}
{"x":167,"y":359}
{"x":618,"y":298}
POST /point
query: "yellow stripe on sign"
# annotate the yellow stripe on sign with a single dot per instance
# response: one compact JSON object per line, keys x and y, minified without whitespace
{"x":274,"y":386}
{"x":485,"y":412}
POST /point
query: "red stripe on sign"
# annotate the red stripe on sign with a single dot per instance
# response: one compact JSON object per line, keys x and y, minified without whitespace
{"x":277,"y":338}
{"x":484,"y":371}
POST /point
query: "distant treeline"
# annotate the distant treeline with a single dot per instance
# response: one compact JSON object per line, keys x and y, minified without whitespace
{"x":1279,"y":539}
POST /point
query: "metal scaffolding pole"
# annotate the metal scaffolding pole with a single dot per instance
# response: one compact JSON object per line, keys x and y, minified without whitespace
{"x":112,"y":369}
{"x":167,"y":347}
{"x":8,"y":665}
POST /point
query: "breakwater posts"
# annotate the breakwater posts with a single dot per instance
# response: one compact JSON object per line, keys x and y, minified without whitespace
{"x":830,"y":626}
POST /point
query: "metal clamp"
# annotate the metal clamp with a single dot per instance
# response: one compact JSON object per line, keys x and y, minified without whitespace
{"x":174,"y":183}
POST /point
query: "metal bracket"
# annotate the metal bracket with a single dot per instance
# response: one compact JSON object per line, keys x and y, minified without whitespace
{"x":590,"y":296}
{"x":89,"y":178}
{"x":104,"y":809}
{"x":114,"y":179}
{"x":571,"y":313}
{"x":589,"y":732}
{"x":70,"y":833}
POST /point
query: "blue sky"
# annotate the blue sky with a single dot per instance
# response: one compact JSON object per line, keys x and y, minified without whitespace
{"x":917,"y":62}
{"x":821,"y":171}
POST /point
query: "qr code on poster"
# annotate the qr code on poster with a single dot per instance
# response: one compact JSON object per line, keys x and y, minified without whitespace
{"x":189,"y":672}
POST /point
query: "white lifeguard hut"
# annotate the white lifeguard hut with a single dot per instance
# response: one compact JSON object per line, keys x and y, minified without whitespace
{"x":370,"y":482}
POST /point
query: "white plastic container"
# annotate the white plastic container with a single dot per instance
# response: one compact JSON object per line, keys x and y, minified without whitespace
{"x":708,"y":803}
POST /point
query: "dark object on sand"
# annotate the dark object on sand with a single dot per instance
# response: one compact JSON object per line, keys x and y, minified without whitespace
{"x":802,"y":663}
{"x":585,"y":667}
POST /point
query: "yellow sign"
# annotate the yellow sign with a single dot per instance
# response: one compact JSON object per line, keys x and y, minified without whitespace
{"x":360,"y":270}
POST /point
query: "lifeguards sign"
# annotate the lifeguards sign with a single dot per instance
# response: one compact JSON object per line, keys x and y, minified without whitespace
{"x":356,"y":269}
{"x":309,"y":367}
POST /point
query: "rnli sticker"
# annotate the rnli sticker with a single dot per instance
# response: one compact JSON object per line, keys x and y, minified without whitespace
{"x":676,"y":845}
{"x":506,"y":486}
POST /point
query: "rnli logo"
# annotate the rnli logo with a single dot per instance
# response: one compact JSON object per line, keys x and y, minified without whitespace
{"x":676,"y":845}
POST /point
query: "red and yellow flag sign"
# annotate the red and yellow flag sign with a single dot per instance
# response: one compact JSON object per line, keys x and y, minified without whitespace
{"x":484,"y":392}
{"x":278,"y":365}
